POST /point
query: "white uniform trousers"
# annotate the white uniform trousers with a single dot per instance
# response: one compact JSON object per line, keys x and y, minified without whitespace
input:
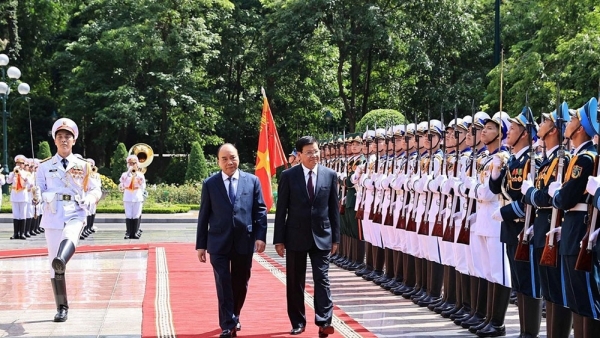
{"x":19,"y":209}
{"x":54,"y":237}
{"x":133,"y":209}
{"x":492,"y":260}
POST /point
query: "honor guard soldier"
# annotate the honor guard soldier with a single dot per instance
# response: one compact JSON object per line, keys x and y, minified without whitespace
{"x":90,"y":228}
{"x":39,"y":206}
{"x":581,"y":287}
{"x":364,"y":198}
{"x":133,"y":184}
{"x":550,"y":134}
{"x":19,"y":196}
{"x":60,"y":181}
{"x":489,"y":255}
{"x":515,"y":217}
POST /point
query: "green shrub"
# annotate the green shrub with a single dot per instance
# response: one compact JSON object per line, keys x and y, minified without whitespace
{"x":174,"y":174}
{"x":118,"y":162}
{"x":381,"y":117}
{"x":197,"y":169}
{"x":173,"y":194}
{"x":44,"y":150}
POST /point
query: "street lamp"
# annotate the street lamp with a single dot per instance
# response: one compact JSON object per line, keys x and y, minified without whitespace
{"x":13,"y":74}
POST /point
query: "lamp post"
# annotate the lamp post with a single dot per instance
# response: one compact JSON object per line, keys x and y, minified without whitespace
{"x":13,"y":74}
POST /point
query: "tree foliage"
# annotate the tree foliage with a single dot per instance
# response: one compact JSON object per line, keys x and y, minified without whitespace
{"x":174,"y":72}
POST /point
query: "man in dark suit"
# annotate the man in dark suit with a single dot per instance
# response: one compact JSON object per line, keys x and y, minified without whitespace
{"x":232,"y":223}
{"x":307,"y":222}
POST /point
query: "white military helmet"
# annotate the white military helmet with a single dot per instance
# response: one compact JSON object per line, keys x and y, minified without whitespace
{"x":480,"y":119}
{"x":502,"y":120}
{"x":436,"y":126}
{"x":422,"y":127}
{"x":380,"y":133}
{"x":398,"y":130}
{"x":369,"y":135}
{"x":411,"y":129}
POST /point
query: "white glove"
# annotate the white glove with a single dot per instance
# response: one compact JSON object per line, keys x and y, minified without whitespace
{"x":434,"y":185}
{"x":592,"y":185}
{"x":469,"y":183}
{"x":529,"y":233}
{"x":525,"y":186}
{"x":399,"y":182}
{"x":473,"y":218}
{"x":87,"y":202}
{"x":553,"y":188}
{"x":457,"y":215}
{"x":409,"y":206}
{"x":496,"y":216}
{"x":556,"y":233}
{"x":594,"y":236}
{"x":359,"y":170}
{"x":447,"y":186}
{"x":421,"y":183}
{"x":496,"y":166}
{"x":369,"y":184}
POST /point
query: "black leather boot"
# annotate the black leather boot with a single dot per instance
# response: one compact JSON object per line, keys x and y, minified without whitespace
{"x":559,"y":320}
{"x":64,"y":254}
{"x":138,"y":224}
{"x":480,"y":308}
{"x":59,"y":288}
{"x":532,"y":316}
{"x":21,"y":229}
{"x":501,"y":299}
{"x":27,"y":227}
{"x":489,"y":307}
{"x":42,"y":230}
{"x":135,"y":226}
{"x":128,"y":226}
{"x":16,"y":229}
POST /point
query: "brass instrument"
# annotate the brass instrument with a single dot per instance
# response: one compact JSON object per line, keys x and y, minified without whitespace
{"x":16,"y":170}
{"x":94,"y":169}
{"x":145,"y":155}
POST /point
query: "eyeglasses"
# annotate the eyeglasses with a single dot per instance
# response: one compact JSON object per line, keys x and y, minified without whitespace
{"x":311,"y":153}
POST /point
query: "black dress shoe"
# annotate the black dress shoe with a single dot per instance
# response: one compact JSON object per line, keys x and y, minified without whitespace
{"x":492,"y":330}
{"x":297,"y":330}
{"x":228,"y":334}
{"x":238,"y":326}
{"x":325,"y":330}
{"x":61,"y":314}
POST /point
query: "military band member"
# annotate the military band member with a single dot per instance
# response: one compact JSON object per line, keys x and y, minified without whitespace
{"x":133,"y":184}
{"x":60,"y":180}
{"x":558,"y":318}
{"x":30,"y":213}
{"x":581,"y":288}
{"x":19,"y":196}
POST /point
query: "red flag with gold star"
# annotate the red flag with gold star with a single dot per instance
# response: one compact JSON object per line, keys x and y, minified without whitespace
{"x":270,"y":154}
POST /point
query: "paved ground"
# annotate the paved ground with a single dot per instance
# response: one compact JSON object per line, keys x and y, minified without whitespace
{"x":118,"y":313}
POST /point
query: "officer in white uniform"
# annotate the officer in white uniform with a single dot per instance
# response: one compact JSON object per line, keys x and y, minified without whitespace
{"x":133,"y":185}
{"x":60,"y":181}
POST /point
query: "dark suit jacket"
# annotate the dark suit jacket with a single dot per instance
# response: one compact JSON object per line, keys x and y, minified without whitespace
{"x":222,"y":225}
{"x":297,"y":222}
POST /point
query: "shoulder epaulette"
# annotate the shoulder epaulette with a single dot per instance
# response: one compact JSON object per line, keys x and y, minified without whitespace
{"x":46,"y":159}
{"x":589,"y":153}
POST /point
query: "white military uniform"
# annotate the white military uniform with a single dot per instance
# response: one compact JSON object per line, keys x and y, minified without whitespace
{"x":133,"y":193}
{"x":63,"y":217}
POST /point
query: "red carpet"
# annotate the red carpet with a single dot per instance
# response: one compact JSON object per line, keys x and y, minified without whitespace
{"x":17,"y":253}
{"x":193,"y":300}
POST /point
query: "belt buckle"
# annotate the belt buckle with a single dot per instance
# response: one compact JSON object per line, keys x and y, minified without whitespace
{"x":66,"y":197}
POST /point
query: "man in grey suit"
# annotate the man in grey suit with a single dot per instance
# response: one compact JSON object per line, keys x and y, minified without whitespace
{"x":307,"y":222}
{"x":232,"y":224}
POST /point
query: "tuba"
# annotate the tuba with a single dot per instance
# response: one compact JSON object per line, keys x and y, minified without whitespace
{"x":144,"y":153}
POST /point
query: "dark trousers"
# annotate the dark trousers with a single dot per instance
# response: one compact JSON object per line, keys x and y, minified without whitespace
{"x":296,"y":279}
{"x":551,"y":282}
{"x":581,"y":288}
{"x":524,"y":276}
{"x":232,"y":273}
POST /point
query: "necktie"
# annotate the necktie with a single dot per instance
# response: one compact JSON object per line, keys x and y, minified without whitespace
{"x":310,"y":187}
{"x":231,"y":192}
{"x":64,"y":162}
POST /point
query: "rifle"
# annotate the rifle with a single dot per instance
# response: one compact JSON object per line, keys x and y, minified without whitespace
{"x":424,"y":226}
{"x":522,"y":252}
{"x":372,"y":211}
{"x":360,"y":212}
{"x":450,"y":230}
{"x":345,"y":175}
{"x":411,"y":225}
{"x":550,"y":253}
{"x":438,"y":226}
{"x":584,"y":258}
{"x":405,"y":195}
{"x":464,"y":235}
{"x":389,"y":216}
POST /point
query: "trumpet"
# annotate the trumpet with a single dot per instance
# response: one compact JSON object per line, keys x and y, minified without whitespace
{"x":94,"y":169}
{"x":16,"y":170}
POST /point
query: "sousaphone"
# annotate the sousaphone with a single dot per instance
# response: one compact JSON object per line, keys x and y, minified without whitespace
{"x":144,"y":153}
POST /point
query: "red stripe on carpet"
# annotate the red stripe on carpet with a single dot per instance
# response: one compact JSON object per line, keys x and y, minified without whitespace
{"x":148,"y":307}
{"x":29,"y":252}
{"x":194,"y":300}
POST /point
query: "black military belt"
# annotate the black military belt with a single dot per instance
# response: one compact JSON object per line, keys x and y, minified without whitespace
{"x":61,"y":197}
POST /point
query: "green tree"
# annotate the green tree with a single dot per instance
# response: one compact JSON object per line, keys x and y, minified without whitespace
{"x":197,"y":169}
{"x":118,"y":163}
{"x":381,"y":118}
{"x":44,"y":150}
